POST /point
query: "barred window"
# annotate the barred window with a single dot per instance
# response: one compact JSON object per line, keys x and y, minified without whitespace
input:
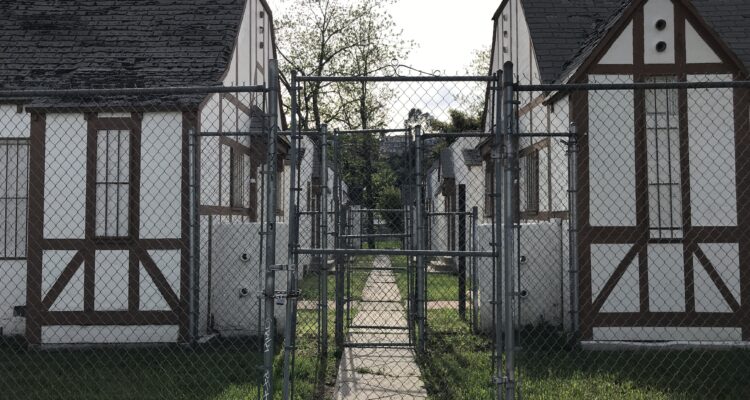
{"x":529,"y":182}
{"x":489,"y":182}
{"x":240,"y":179}
{"x":664,"y":181}
{"x":14,"y":197}
{"x":113,"y":183}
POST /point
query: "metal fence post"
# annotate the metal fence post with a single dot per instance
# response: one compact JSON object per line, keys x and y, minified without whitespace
{"x":290,"y":326}
{"x":474,"y":279}
{"x":573,"y":230}
{"x":194,"y":234}
{"x":509,"y":222}
{"x":270,"y":232}
{"x":462,"y":247}
{"x":339,"y":230}
{"x":497,"y":231}
{"x":420,"y":245}
{"x":324,"y":240}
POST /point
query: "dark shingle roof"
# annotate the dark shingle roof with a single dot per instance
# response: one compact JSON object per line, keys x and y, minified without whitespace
{"x":52,"y":44}
{"x":565,"y":32}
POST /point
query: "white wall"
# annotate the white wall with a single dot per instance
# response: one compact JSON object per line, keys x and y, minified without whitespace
{"x":713,"y":174}
{"x":235,"y":314}
{"x":611,"y":154}
{"x":13,"y":285}
{"x":543,"y":275}
{"x":161,"y":175}
{"x":65,"y":176}
{"x":13,"y":123}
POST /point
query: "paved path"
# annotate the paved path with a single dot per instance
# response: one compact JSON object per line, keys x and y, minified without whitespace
{"x":379,"y":373}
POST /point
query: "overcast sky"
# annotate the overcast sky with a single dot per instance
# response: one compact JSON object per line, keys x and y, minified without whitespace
{"x":446,"y":31}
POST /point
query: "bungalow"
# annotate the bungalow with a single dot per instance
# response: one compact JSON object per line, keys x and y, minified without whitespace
{"x":95,"y":207}
{"x":664,"y":249}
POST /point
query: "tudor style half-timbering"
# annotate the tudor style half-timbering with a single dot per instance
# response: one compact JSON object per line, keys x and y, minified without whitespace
{"x":100,"y":188}
{"x":664,"y":251}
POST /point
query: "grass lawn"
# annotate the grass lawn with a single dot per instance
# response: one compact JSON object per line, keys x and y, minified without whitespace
{"x":310,"y":284}
{"x":458,"y":366}
{"x":222,"y":370}
{"x":219,"y":371}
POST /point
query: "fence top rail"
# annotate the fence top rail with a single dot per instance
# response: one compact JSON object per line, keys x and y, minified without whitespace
{"x":468,"y":78}
{"x":395,"y":252}
{"x":572,"y":87}
{"x":184,"y":90}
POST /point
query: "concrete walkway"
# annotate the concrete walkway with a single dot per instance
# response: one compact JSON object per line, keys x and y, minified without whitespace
{"x":379,"y":373}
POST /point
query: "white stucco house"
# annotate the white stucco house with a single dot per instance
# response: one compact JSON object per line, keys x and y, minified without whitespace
{"x":96,"y":208}
{"x":664,"y":249}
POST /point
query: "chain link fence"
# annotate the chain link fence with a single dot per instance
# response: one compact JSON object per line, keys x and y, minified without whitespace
{"x":134,"y":225}
{"x":460,"y":238}
{"x":630,"y":243}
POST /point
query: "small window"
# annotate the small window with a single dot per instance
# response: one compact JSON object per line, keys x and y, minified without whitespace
{"x":489,"y":182}
{"x":113,"y":183}
{"x":529,"y":183}
{"x":664,"y":179}
{"x":14,"y":197}
{"x":240,"y":179}
{"x":280,"y":190}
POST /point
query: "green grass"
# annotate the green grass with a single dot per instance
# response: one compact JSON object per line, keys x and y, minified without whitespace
{"x":440,"y":287}
{"x":220,"y":371}
{"x":458,"y":366}
{"x":310,"y":284}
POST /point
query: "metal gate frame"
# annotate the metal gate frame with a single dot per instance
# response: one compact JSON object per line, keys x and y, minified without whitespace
{"x":413,"y":245}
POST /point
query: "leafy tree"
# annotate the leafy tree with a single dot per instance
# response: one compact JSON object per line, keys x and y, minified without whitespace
{"x":348,"y":38}
{"x":339,"y":37}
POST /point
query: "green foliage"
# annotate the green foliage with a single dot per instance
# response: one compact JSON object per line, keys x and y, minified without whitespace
{"x":390,"y":198}
{"x":339,"y":37}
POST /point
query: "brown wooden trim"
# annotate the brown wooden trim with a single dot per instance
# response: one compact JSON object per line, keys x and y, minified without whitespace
{"x":617,"y":275}
{"x":113,"y":244}
{"x":535,"y":147}
{"x":545,"y":216}
{"x":35,"y":227}
{"x":62,"y":281}
{"x":189,"y":123}
{"x":579,"y":109}
{"x":666,"y":320}
{"x":742,"y":155}
{"x":125,"y":318}
{"x":247,"y":109}
{"x":660,"y":69}
{"x":612,"y":235}
{"x":157,"y":276}
{"x":716,"y":279}
{"x":225,"y":211}
{"x":532,"y":105}
{"x":134,"y":282}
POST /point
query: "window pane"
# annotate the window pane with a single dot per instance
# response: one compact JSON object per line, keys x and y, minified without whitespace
{"x":4,"y":232}
{"x":101,"y":156}
{"x":122,"y":211}
{"x":13,"y":197}
{"x":124,"y":143}
{"x":22,"y":173}
{"x":21,"y":228}
{"x":101,"y":196}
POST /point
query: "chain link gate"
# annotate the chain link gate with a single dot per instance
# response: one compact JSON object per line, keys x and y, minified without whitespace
{"x":388,"y":280}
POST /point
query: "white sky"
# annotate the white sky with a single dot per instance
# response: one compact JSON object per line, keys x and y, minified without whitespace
{"x":446,"y":32}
